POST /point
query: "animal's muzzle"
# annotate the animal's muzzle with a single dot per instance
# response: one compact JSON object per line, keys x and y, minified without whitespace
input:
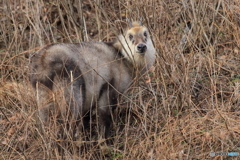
{"x":141,"y":48}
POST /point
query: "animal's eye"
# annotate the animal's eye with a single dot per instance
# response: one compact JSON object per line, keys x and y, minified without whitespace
{"x":145,"y":34}
{"x":130,"y":36}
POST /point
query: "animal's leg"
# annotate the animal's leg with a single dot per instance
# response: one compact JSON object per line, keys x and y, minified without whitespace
{"x":74,"y":112}
{"x":107,"y":103}
{"x":44,"y":102}
{"x":105,"y":121}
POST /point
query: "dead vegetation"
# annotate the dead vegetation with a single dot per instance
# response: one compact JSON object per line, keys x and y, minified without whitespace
{"x":191,"y":108}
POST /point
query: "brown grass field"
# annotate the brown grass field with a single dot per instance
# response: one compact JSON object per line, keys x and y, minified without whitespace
{"x":191,"y":107}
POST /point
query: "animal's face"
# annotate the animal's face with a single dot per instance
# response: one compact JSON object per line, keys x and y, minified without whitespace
{"x":137,"y":46}
{"x":137,"y":38}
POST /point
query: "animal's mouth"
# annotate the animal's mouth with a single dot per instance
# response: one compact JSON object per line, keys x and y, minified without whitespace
{"x":141,"y":53}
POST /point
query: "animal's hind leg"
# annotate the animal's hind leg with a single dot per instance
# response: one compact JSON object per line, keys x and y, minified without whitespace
{"x":44,"y":102}
{"x":74,"y":111}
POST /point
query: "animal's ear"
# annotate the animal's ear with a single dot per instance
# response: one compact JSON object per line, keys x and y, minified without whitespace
{"x":141,"y":21}
{"x":130,"y":25}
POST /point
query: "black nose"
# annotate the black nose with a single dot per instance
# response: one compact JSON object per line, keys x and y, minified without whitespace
{"x":141,"y":48}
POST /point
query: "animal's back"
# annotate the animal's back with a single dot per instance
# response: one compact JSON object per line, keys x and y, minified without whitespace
{"x":92,"y":66}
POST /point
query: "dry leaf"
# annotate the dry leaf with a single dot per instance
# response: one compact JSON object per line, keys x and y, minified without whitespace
{"x":5,"y":141}
{"x":11,"y":131}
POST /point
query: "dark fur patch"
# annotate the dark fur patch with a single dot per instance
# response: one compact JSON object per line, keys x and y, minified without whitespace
{"x":59,"y":67}
{"x":105,"y":114}
{"x":105,"y":87}
{"x":68,"y":66}
{"x":37,"y":76}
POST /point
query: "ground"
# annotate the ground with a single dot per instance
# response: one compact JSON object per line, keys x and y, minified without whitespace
{"x":190,"y":108}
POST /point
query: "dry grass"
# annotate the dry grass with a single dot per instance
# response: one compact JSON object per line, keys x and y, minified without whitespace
{"x":191,"y":108}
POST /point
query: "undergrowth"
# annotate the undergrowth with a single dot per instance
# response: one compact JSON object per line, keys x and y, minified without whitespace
{"x":191,"y":108}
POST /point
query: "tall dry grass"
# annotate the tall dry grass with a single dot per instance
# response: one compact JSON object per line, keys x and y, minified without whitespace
{"x":191,"y":108}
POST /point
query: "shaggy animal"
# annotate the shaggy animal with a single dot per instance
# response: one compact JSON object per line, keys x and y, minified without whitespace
{"x":74,"y":78}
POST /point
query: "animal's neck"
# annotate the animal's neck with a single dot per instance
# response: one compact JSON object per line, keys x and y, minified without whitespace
{"x":137,"y":66}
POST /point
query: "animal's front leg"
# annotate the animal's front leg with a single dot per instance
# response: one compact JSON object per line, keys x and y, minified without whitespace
{"x":105,"y":108}
{"x":105,"y":121}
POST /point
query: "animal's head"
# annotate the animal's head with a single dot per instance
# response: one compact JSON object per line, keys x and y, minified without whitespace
{"x":136,"y":45}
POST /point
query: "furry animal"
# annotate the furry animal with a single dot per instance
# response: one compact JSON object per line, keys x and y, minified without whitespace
{"x":71,"y":79}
